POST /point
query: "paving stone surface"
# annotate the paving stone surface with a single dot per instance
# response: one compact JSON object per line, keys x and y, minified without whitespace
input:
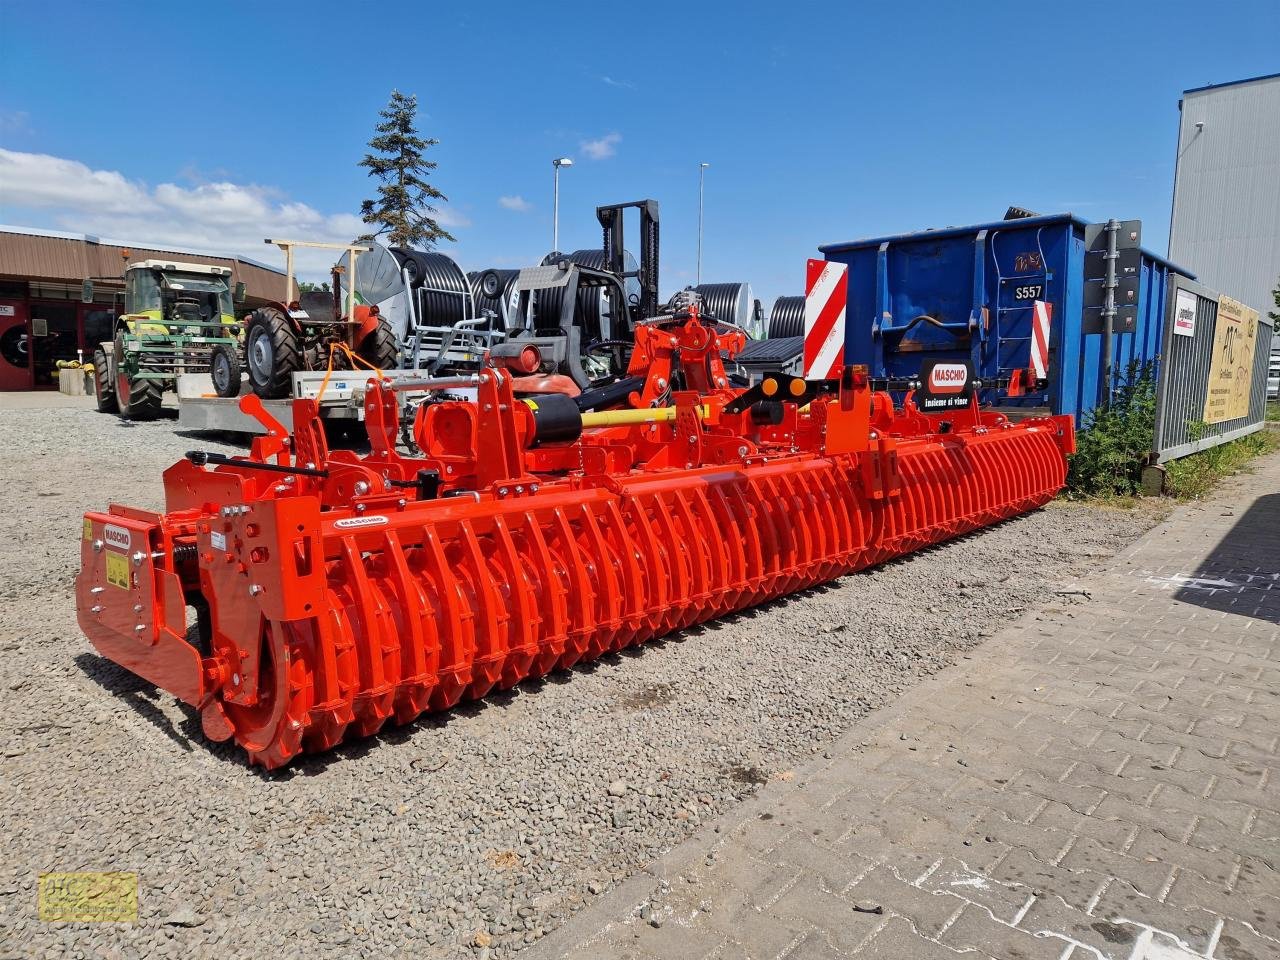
{"x":1100,"y":781}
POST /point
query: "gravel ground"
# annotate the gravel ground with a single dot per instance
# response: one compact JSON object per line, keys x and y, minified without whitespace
{"x":472,"y":833}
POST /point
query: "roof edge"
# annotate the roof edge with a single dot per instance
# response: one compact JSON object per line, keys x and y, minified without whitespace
{"x":107,"y":242}
{"x":1232,"y":83}
{"x":956,"y":231}
{"x":950,"y":232}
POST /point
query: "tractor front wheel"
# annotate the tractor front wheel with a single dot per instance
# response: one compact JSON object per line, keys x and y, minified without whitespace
{"x":272,"y":353}
{"x":224,"y":371}
{"x":103,"y":390}
{"x":137,"y":397}
{"x":379,"y":347}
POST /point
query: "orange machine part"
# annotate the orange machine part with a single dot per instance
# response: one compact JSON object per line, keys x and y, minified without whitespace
{"x":342,"y":602}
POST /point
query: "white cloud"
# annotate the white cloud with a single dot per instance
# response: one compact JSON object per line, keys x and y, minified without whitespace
{"x":602,"y":148}
{"x":216,"y":218}
{"x":450,"y":218}
{"x":625,"y":84}
{"x":517,"y":203}
{"x":39,"y":180}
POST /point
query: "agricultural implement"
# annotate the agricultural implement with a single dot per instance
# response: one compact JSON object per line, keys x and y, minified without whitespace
{"x":302,"y":595}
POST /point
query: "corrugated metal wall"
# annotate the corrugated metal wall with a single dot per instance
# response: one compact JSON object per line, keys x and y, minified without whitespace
{"x":1226,"y":203}
{"x":1184,"y":381}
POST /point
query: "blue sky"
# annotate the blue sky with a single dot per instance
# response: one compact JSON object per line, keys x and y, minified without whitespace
{"x":218,"y":124}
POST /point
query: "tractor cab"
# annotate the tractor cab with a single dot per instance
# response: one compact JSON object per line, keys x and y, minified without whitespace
{"x":165,"y":297}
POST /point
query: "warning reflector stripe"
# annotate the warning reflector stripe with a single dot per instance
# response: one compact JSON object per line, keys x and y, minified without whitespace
{"x":1042,"y":315}
{"x":825,"y":302}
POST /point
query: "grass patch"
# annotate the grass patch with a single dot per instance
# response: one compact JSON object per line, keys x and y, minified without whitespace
{"x":1273,"y":412}
{"x":1193,"y":477}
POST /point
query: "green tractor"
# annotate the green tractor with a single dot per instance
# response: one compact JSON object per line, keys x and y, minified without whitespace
{"x":177,"y":318}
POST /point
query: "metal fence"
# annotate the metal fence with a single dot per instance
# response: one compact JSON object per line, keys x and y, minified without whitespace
{"x":1183,"y":384}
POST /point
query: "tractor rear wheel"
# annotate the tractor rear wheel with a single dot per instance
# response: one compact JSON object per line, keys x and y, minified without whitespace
{"x":224,"y":371}
{"x":272,"y":353}
{"x":379,"y":347}
{"x":137,"y":397}
{"x":103,"y":391}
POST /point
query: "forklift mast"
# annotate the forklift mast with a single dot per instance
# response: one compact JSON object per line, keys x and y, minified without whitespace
{"x":611,"y":219}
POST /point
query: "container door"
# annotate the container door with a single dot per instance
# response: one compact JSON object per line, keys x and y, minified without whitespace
{"x":15,"y":346}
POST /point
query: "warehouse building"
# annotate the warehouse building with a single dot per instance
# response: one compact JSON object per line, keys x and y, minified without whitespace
{"x":42,"y":318}
{"x":1226,"y":188}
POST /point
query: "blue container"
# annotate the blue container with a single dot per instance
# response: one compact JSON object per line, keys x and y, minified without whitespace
{"x":967,"y":293}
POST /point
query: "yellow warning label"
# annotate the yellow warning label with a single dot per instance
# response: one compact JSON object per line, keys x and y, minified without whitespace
{"x":88,"y":529}
{"x":88,"y":897}
{"x":117,"y":569}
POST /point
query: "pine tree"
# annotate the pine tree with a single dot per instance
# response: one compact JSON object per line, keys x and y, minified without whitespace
{"x":1275,"y":315}
{"x":404,"y":208}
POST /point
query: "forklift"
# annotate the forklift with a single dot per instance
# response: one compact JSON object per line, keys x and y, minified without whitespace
{"x":586,"y":347}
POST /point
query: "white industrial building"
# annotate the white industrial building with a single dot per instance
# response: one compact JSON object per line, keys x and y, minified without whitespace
{"x":1226,"y":189}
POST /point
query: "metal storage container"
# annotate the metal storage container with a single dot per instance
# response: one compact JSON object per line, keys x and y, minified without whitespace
{"x":967,"y":293}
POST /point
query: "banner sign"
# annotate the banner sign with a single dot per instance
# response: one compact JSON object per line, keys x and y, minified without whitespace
{"x":1231,"y":369}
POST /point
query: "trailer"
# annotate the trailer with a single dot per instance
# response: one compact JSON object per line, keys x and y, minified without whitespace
{"x":970,"y":294}
{"x":339,"y":403}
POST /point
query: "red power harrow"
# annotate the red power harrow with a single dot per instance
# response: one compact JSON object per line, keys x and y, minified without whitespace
{"x":333,"y":592}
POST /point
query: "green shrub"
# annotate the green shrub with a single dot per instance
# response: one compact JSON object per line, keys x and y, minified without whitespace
{"x":1114,"y":442}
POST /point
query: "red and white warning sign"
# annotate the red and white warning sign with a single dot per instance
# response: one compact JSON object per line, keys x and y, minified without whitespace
{"x":826,"y":295}
{"x":1041,"y":316}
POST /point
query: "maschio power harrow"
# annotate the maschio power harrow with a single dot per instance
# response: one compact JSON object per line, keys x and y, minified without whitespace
{"x":331,"y":592}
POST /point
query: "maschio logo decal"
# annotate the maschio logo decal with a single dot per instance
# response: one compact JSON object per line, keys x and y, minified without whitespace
{"x":948,"y":378}
{"x":944,"y":385}
{"x":349,"y":522}
{"x":118,"y":538}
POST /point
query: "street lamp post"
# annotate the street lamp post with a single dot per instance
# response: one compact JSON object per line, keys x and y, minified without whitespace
{"x":702,"y":171}
{"x":555,"y":202}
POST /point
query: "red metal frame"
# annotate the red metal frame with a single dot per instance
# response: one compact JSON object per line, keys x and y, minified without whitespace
{"x":339,"y":602}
